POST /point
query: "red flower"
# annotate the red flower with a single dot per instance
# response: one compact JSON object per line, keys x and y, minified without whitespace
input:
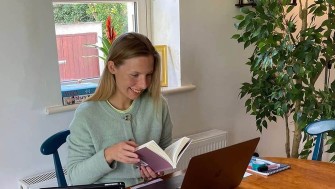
{"x":110,"y":32}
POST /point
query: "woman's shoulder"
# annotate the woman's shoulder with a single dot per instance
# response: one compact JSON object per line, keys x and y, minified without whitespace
{"x":86,"y":112}
{"x":89,"y":107}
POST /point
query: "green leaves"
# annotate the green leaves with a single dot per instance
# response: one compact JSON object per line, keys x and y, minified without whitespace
{"x":104,"y":48}
{"x":239,"y":17}
{"x":245,"y":10}
{"x":286,"y":62}
{"x":92,"y":12}
{"x":236,"y":36}
{"x":309,"y":143}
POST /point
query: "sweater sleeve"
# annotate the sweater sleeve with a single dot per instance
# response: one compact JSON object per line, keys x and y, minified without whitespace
{"x":166,"y":135}
{"x":85,"y":165}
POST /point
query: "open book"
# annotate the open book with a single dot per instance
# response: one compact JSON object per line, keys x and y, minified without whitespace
{"x":160,"y":160}
{"x":265,"y":167}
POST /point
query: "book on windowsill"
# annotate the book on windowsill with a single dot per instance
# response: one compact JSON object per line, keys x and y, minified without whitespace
{"x":75,"y":99}
{"x":76,"y":93}
{"x":265,"y":167}
{"x":158,"y":159}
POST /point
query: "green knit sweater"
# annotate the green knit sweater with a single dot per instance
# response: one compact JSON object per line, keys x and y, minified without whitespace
{"x":96,"y":125}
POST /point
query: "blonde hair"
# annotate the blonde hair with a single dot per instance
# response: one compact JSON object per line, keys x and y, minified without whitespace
{"x":128,"y":45}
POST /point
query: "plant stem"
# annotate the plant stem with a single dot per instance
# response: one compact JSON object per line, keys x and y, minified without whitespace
{"x":303,"y":16}
{"x":296,"y":141}
{"x":297,"y":131}
{"x":287,"y":144}
{"x":297,"y":104}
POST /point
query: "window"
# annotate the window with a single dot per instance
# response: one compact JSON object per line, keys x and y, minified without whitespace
{"x":79,"y":24}
{"x":165,"y":26}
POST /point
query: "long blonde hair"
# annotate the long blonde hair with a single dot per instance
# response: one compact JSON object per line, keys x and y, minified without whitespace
{"x":128,"y":45}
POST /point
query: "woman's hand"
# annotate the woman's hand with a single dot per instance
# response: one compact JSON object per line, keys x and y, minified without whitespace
{"x":122,"y":152}
{"x":147,"y":173}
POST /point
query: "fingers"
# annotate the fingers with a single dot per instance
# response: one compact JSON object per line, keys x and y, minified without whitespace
{"x":129,"y":157}
{"x":147,"y":173}
{"x":129,"y":146}
{"x":142,"y":174}
{"x":122,"y":152}
{"x":132,"y":143}
{"x":151,"y":172}
{"x":126,"y":159}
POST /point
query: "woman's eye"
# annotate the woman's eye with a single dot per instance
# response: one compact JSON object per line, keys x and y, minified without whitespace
{"x":134,"y":75}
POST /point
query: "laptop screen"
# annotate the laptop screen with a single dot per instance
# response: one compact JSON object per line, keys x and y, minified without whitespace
{"x":223,"y":168}
{"x":219,"y":169}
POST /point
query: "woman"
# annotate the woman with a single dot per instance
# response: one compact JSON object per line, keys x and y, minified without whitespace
{"x":125,"y":111}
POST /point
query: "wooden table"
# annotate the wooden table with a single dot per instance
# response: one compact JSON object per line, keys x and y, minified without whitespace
{"x":305,"y":174}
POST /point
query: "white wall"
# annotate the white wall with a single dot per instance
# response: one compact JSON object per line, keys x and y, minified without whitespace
{"x":166,"y":31}
{"x":30,"y":82}
{"x":216,"y":65}
{"x":29,"y":78}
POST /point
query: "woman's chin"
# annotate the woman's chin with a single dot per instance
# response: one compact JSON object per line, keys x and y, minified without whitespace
{"x":133,"y":96}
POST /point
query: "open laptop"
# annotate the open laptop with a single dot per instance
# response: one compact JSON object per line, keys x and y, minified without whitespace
{"x":219,"y":169}
{"x":112,"y":185}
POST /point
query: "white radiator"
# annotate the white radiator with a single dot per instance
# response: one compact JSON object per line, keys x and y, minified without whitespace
{"x":201,"y":143}
{"x":42,"y":180}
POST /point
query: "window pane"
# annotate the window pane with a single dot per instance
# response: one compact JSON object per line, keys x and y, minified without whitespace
{"x":79,"y":26}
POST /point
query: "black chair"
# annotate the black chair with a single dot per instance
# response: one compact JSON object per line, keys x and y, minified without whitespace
{"x":50,"y":146}
{"x":318,"y":128}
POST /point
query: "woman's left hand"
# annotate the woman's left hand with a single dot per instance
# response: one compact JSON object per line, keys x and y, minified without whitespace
{"x":147,"y":173}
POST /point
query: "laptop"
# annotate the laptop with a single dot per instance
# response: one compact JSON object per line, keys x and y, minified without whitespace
{"x":219,"y":169}
{"x":112,"y":185}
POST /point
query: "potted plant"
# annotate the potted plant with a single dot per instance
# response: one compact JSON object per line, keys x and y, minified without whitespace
{"x":293,"y":49}
{"x":107,"y":40}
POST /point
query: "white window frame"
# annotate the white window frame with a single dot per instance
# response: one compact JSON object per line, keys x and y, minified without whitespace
{"x":143,"y":10}
{"x":145,"y":27}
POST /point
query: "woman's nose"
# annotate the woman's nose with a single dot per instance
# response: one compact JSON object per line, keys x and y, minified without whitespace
{"x":143,"y":83}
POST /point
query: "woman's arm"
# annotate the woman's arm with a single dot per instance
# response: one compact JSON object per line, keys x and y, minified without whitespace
{"x":166,"y":136}
{"x":85,"y":165}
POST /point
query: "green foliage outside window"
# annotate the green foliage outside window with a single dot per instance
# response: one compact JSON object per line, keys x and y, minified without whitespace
{"x":93,"y":12}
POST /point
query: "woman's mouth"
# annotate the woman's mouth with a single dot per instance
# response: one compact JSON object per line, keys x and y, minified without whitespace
{"x":136,"y":91}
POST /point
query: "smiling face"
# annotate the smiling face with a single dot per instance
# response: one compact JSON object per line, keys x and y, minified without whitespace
{"x":132,"y":78}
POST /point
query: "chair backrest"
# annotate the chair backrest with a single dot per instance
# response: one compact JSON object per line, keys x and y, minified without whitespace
{"x":50,"y":146}
{"x":318,"y":128}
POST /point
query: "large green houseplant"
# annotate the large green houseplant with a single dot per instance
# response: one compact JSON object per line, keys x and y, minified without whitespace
{"x":293,"y":49}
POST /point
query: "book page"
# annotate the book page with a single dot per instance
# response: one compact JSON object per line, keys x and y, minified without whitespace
{"x":178,"y":155}
{"x":153,"y":146}
{"x":153,"y":160}
{"x":175,"y":148}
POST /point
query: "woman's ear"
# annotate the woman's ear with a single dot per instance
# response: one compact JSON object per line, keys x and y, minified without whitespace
{"x":111,"y":67}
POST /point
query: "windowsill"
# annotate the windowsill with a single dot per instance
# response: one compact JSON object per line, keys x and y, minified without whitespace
{"x":165,"y":90}
{"x":173,"y":90}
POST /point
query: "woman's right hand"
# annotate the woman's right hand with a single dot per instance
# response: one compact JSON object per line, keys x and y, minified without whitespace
{"x":123,"y":152}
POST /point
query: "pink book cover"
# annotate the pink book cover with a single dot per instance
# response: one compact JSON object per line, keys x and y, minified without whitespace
{"x":154,"y":161}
